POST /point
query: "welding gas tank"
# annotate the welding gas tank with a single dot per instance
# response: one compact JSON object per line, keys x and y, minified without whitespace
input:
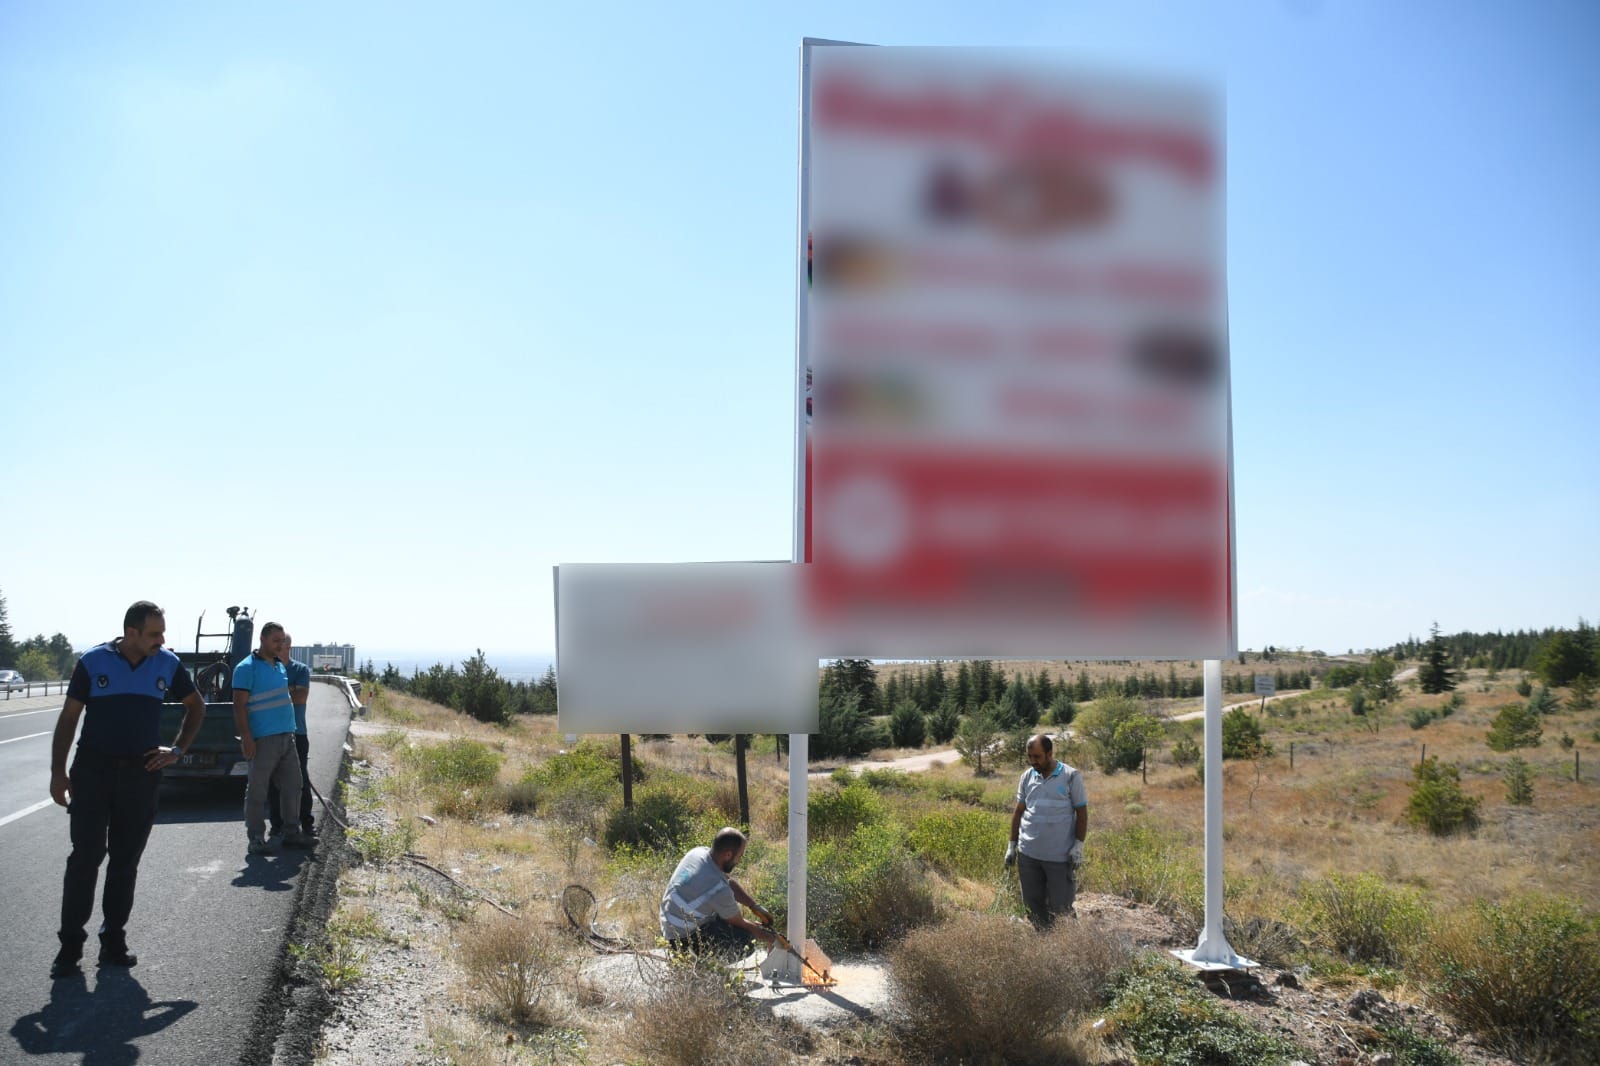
{"x":244,"y":631}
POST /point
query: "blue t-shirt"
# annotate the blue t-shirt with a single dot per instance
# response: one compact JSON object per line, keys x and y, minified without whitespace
{"x":299,"y":677}
{"x":269,"y":707}
{"x":122,"y":702}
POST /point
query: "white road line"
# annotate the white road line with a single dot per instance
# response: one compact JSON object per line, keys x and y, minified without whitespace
{"x":30,"y":736}
{"x":23,"y":714}
{"x":41,"y":805}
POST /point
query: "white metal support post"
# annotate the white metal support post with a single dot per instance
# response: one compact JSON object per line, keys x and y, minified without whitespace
{"x":785,"y":966}
{"x":1213,"y":952}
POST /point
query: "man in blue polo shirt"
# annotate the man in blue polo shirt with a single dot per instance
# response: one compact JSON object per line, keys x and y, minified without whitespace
{"x":264,"y":715}
{"x":299,"y":676}
{"x":110,"y":792}
{"x":1048,"y":827}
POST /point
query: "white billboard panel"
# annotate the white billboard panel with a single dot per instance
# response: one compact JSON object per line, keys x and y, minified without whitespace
{"x":685,"y":648}
{"x":1013,"y":341}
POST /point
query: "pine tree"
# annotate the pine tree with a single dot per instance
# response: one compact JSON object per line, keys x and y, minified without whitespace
{"x":1582,"y":693}
{"x":963,"y":690}
{"x":1516,"y":726}
{"x":1436,"y":674}
{"x":907,"y":726}
{"x":1380,"y":679}
{"x":1568,"y":655}
{"x":1044,"y":688}
{"x":853,"y":677}
{"x":8,"y":644}
{"x":933,"y":689}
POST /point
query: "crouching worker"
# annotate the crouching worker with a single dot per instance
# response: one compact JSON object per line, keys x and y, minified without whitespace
{"x":700,"y":908}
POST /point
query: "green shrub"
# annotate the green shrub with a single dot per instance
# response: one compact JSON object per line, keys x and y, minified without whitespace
{"x":1524,"y":975}
{"x":573,"y":786}
{"x":833,"y":814}
{"x":381,"y":846}
{"x":1185,"y":752}
{"x":1062,"y":712}
{"x":908,"y":727}
{"x":970,"y":792}
{"x":944,"y":721}
{"x":889,"y":780}
{"x":1363,"y":917}
{"x":659,"y":820}
{"x":1118,"y":729}
{"x":867,"y":890}
{"x":1437,"y":802}
{"x":1411,"y":1048}
{"x":1421,"y":717}
{"x":456,"y":764}
{"x":1544,"y":701}
{"x":965,"y":843}
{"x":1241,"y":736}
{"x":1148,"y":865}
{"x":1519,"y":782}
{"x":1515,"y":726}
{"x":1163,"y":1016}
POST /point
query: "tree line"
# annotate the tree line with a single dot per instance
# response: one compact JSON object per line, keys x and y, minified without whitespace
{"x":1556,"y":654}
{"x":38,"y":658}
{"x":476,"y":689}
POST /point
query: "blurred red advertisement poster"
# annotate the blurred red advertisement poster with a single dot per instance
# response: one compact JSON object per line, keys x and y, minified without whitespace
{"x":1013,"y":329}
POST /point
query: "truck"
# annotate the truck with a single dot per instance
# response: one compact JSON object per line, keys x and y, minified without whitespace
{"x":216,"y":751}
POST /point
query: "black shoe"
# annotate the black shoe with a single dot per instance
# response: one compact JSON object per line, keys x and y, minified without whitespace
{"x":118,"y":957}
{"x":65,"y":964}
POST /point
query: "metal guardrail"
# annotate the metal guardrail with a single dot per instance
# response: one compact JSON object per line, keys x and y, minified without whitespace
{"x":29,"y":688}
{"x":351,"y":687}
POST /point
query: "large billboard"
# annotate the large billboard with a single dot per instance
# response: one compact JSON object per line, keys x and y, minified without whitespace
{"x":1013,"y":353}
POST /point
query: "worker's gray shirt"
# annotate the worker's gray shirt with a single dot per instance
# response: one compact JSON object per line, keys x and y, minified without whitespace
{"x":697,"y":892}
{"x":1049,"y":816}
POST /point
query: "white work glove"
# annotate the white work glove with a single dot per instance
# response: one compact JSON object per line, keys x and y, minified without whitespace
{"x":1011,"y":854}
{"x":1075,"y":855}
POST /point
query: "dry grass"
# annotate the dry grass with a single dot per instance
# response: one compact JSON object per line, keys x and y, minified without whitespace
{"x":513,"y":965}
{"x":697,"y":1018}
{"x":989,"y":989}
{"x":1338,"y":811}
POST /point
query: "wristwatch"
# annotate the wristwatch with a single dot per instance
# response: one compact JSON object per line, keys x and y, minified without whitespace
{"x":177,"y":753}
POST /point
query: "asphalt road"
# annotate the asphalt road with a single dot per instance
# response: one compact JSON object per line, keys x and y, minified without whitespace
{"x":208,"y":925}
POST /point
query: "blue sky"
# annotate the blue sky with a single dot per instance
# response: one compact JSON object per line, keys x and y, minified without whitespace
{"x":368,"y":315}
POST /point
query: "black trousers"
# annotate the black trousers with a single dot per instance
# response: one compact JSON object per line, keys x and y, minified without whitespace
{"x":302,"y":748}
{"x":113,"y":807}
{"x":717,"y":937}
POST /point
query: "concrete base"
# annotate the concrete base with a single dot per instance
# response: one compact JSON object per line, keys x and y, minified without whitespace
{"x":1230,"y":962}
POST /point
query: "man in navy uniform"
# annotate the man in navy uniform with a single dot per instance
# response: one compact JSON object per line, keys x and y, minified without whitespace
{"x":299,"y":675}
{"x":111,"y":791}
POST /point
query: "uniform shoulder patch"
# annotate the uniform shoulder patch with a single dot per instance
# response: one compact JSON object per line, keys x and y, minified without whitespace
{"x":102,"y":681}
